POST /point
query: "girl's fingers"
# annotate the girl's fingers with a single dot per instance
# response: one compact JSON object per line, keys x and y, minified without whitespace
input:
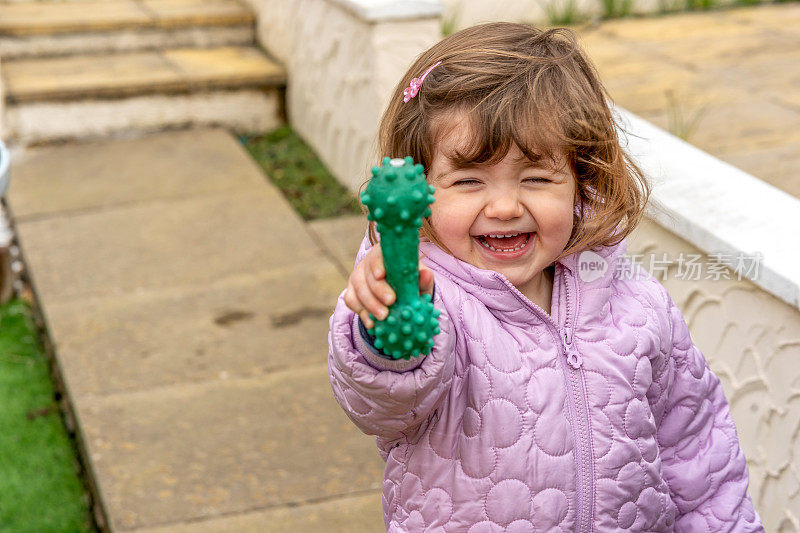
{"x":381,"y":289}
{"x":364,"y":314}
{"x":375,"y":262}
{"x":367,"y":297}
{"x":352,"y":301}
{"x":360,"y":298}
{"x":376,"y":276}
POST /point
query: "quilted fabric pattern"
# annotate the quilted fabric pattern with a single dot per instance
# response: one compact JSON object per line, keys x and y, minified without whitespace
{"x":495,"y":431}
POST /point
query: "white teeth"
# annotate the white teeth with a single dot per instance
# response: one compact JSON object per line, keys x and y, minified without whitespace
{"x":492,"y":248}
{"x":503,"y":236}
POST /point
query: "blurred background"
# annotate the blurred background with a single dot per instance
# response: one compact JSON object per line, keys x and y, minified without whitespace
{"x":178,"y":217}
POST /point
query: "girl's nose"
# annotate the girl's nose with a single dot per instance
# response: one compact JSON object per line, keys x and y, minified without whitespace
{"x":504,"y":206}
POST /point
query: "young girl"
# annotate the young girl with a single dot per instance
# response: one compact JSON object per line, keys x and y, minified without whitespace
{"x":564,"y":391}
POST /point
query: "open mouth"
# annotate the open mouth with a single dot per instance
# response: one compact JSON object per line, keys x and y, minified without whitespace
{"x":507,"y":242}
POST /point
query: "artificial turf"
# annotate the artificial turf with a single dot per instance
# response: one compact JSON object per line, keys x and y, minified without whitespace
{"x":40,"y":488}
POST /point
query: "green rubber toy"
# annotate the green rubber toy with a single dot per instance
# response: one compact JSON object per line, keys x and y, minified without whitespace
{"x":398,"y":196}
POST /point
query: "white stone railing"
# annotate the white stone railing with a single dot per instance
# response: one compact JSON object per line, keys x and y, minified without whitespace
{"x":718,"y":207}
{"x":343,"y":58}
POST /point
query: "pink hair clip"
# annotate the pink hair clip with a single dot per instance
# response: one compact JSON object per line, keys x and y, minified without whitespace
{"x":412,"y":90}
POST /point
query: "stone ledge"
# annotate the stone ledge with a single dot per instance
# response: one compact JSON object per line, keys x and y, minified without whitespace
{"x":124,"y":40}
{"x":718,"y":207}
{"x":391,"y":10}
{"x":131,"y":74}
{"x":47,"y":18}
{"x":249,"y":110}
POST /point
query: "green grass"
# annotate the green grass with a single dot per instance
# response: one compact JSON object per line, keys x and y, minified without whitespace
{"x":617,"y":8}
{"x":563,"y":12}
{"x":692,"y":5}
{"x":682,"y":122}
{"x":449,"y":22}
{"x":297,"y":171}
{"x":40,"y":490}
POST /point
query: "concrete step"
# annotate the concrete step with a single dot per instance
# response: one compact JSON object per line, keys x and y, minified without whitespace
{"x":51,"y":99}
{"x":61,"y":28}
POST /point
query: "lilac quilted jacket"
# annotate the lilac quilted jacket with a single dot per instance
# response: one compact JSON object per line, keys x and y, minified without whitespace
{"x":602,"y":416}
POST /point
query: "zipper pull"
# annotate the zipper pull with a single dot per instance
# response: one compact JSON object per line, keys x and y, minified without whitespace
{"x":573,"y":357}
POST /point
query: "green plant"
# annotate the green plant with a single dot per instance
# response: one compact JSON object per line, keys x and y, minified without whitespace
{"x":299,"y":174}
{"x":692,"y":5}
{"x":671,"y":6}
{"x":40,"y":487}
{"x":449,"y":22}
{"x":617,"y":8}
{"x":682,"y":122}
{"x":562,"y":12}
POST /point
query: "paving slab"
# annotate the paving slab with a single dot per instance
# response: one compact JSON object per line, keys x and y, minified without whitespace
{"x":777,"y":164}
{"x":733,"y":127}
{"x":708,"y":26}
{"x":199,"y":451}
{"x":247,"y":325}
{"x":163,"y":243}
{"x":341,"y":237}
{"x":103,"y":174}
{"x":777,"y":72}
{"x":342,"y":515}
{"x":636,"y":77}
{"x":784,"y":19}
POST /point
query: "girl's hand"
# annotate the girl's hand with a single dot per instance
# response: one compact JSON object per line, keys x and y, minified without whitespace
{"x":368,"y":291}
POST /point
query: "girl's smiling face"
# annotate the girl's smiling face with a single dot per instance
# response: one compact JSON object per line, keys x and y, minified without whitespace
{"x":514,"y":217}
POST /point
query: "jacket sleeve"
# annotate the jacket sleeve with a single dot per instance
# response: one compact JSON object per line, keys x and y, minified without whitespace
{"x":386,"y":398}
{"x":702,"y":461}
{"x":389,"y":399}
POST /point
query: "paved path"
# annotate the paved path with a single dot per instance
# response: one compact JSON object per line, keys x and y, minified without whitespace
{"x":188,"y":305}
{"x":740,"y":68}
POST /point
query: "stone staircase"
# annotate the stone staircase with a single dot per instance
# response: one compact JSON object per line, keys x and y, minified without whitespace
{"x":87,"y":68}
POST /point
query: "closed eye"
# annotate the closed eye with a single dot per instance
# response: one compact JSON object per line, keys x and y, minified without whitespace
{"x":466,"y":181}
{"x":538,"y":180}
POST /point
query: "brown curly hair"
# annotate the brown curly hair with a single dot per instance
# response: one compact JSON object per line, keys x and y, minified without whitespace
{"x":534,"y":88}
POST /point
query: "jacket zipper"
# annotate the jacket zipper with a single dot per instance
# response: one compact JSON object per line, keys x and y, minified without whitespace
{"x":579,"y":408}
{"x":583,"y":444}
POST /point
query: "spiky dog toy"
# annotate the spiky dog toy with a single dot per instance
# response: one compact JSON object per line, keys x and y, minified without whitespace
{"x":397,"y":198}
